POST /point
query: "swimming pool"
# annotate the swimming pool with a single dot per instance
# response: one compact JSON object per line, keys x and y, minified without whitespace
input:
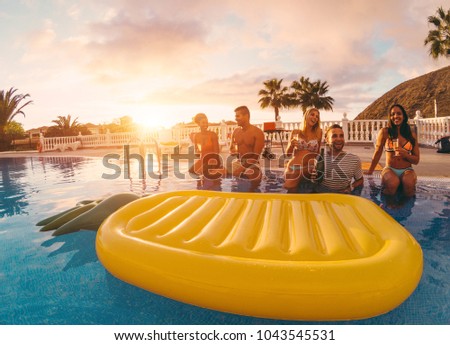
{"x":59,"y":280}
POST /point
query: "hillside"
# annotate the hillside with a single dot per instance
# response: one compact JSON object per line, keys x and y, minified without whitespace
{"x":415,"y":94}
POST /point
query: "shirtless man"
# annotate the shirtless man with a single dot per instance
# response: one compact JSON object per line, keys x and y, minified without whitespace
{"x":247,"y":143}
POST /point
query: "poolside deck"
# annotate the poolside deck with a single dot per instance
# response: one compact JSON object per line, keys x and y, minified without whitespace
{"x":432,"y":164}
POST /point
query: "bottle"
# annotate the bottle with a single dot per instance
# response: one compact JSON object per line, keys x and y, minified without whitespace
{"x":320,"y":166}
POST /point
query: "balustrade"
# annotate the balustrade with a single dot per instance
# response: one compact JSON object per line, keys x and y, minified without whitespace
{"x":429,"y":130}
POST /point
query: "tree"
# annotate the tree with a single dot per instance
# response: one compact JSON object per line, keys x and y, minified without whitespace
{"x":439,"y":37}
{"x":10,"y":106}
{"x":274,"y":95}
{"x":14,"y":129}
{"x":311,"y":94}
{"x":65,"y":127}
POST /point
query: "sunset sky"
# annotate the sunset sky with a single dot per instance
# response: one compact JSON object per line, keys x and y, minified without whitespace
{"x":164,"y":61}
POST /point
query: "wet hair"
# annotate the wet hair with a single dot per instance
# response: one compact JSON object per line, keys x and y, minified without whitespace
{"x":244,"y":109}
{"x":197,"y":118}
{"x":316,"y":127}
{"x":405,"y":130}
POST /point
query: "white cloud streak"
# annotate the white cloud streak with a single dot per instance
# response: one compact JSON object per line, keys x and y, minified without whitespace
{"x":219,"y":52}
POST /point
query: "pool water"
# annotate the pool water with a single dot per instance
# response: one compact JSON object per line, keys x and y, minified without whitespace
{"x":59,"y":280}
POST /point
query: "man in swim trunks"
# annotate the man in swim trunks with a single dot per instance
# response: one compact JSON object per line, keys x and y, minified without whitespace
{"x":247,"y":143}
{"x":341,"y":168}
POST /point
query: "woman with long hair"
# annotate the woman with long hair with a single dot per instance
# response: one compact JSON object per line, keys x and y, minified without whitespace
{"x":402,"y":150}
{"x":304,"y":144}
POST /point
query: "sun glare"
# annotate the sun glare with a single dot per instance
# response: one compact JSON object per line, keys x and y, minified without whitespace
{"x":158,"y":117}
{"x":155,"y":118}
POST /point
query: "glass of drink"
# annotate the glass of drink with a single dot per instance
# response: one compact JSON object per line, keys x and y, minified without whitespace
{"x":234,"y":149}
{"x":296,"y":136}
{"x":395,"y":145}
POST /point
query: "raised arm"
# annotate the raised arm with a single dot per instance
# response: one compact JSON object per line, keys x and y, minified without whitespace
{"x":292,"y":142}
{"x":259,"y":142}
{"x":320,"y":139}
{"x":414,"y":156}
{"x":381,"y":140}
{"x":233,"y":148}
{"x":215,"y":141}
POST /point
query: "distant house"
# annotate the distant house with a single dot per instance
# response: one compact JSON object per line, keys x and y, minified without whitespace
{"x":94,"y":129}
{"x":33,"y":137}
{"x":34,"y":133}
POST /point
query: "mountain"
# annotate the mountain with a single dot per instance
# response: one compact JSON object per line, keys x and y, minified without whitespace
{"x":415,"y":94}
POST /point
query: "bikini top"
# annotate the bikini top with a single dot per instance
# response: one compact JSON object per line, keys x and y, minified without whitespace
{"x":389,"y":146}
{"x":312,"y":145}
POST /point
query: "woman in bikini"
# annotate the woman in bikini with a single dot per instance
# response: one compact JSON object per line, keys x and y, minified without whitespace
{"x":402,"y":150}
{"x":304,"y":144}
{"x":206,"y":143}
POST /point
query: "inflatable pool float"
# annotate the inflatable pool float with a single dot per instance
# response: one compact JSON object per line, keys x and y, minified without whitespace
{"x":87,"y":214}
{"x":283,"y":256}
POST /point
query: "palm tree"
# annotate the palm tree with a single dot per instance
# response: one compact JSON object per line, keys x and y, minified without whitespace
{"x":274,"y":95}
{"x":10,"y":106}
{"x":311,"y":94}
{"x":64,"y":127}
{"x":439,"y":38}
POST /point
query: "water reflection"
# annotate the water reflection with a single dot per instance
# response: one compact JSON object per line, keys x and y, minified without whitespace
{"x":64,"y":167}
{"x":22,"y":177}
{"x":245,"y":185}
{"x":13,"y":196}
{"x":438,"y":228}
{"x":398,"y":206}
{"x":204,"y":183}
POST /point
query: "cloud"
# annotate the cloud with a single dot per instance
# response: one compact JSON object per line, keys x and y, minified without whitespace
{"x":40,"y":41}
{"x":234,"y":89}
{"x":124,"y":47}
{"x":145,"y":53}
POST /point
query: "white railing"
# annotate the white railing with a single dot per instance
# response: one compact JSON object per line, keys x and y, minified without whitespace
{"x":356,"y":131}
{"x":183,"y":134}
{"x":431,"y":129}
{"x":98,"y":140}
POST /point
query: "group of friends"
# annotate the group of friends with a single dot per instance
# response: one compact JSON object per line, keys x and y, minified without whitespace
{"x":343,"y":171}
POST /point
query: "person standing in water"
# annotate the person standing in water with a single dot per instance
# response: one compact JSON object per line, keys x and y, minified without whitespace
{"x":247,"y":143}
{"x":206,"y":143}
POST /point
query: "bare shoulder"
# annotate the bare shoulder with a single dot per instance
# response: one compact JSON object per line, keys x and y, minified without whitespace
{"x":297,"y":132}
{"x":237,"y":130}
{"x":383,"y":133}
{"x":257,"y":130}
